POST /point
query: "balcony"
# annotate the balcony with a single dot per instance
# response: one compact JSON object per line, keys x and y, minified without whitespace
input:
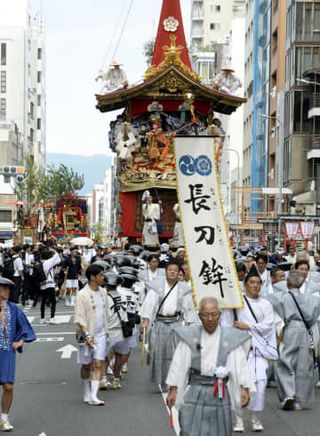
{"x":315,"y":109}
{"x":314,"y":147}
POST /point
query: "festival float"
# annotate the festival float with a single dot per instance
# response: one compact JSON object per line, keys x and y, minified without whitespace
{"x":170,"y":102}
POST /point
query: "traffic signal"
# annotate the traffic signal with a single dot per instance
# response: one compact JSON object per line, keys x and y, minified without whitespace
{"x":9,"y":171}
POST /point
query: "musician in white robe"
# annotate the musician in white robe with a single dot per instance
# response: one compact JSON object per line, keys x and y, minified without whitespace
{"x":114,"y":78}
{"x":168,"y":303}
{"x":151,"y":214}
{"x":257,"y":319}
{"x":209,"y":359}
{"x":295,"y":369}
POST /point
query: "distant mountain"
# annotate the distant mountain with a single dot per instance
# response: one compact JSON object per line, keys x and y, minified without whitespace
{"x":92,"y":167}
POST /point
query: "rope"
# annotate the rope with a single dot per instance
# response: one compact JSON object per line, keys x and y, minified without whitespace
{"x":122,"y":30}
{"x":113,"y":35}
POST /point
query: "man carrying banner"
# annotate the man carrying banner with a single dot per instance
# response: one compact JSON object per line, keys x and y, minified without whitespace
{"x":209,"y":359}
{"x":257,"y":319}
{"x":167,"y":304}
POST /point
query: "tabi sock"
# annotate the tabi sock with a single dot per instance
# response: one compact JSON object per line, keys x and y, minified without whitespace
{"x":4,"y":417}
{"x":86,"y":390}
{"x":94,"y":389}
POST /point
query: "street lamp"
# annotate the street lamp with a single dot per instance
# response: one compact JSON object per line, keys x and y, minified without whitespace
{"x":280,"y":139}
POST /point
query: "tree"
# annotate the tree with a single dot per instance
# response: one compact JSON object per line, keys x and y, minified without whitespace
{"x":148,"y":50}
{"x":57,"y":182}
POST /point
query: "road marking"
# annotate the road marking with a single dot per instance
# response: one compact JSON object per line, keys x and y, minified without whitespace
{"x":54,"y":339}
{"x":174,"y":412}
{"x":31,"y":319}
{"x":54,"y":333}
{"x":66,"y":351}
{"x":42,"y":434}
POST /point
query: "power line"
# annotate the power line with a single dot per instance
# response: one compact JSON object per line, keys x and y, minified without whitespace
{"x":114,"y":34}
{"x":122,"y":30}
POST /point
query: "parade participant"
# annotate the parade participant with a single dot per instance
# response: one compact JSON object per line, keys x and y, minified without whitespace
{"x":257,"y":319}
{"x":50,"y":258}
{"x":209,"y":358}
{"x":73,"y":270}
{"x":92,"y":328}
{"x":152,"y":271}
{"x":127,"y":290}
{"x":114,"y":78}
{"x":186,"y":273}
{"x":151,"y":214}
{"x":18,"y":275}
{"x":118,"y":334}
{"x":15,"y":330}
{"x":28,"y":283}
{"x":226,"y":81}
{"x":292,"y":255}
{"x":261,"y":263}
{"x":167,"y":304}
{"x":309,"y":286}
{"x":295,"y":367}
{"x":241,"y":272}
{"x":177,"y":239}
{"x":164,"y":255}
{"x":181,"y":255}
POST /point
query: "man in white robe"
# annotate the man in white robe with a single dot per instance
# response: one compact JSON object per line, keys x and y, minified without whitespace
{"x":209,"y":359}
{"x":257,"y":319}
{"x":151,"y":214}
{"x":168,"y":303}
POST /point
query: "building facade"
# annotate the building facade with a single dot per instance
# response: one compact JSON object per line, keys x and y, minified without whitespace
{"x":22,"y":82}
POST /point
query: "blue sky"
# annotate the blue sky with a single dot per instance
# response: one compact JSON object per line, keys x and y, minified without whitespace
{"x":78,"y":41}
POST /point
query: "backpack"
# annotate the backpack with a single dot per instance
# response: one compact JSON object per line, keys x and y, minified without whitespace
{"x":8,"y":268}
{"x":38,"y":273}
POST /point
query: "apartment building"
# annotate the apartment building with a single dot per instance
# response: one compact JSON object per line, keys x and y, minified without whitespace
{"x":22,"y":82}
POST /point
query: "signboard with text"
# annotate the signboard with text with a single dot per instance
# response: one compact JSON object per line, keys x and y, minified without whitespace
{"x":205,"y":233}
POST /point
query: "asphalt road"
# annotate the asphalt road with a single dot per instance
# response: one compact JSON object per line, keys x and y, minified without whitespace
{"x":48,"y":395}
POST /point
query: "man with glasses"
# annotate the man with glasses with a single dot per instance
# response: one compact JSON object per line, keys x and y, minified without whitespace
{"x":211,"y":360}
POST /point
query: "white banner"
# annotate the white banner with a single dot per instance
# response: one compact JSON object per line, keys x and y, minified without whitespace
{"x":306,"y":229}
{"x":205,"y":233}
{"x":291,"y":229}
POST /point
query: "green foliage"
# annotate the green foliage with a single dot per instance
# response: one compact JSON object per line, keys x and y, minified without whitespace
{"x":148,"y":50}
{"x":39,"y":186}
{"x":98,"y":232}
{"x":57,"y":182}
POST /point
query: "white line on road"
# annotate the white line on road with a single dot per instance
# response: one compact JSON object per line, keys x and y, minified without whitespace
{"x":31,"y":319}
{"x":174,"y":412}
{"x":54,"y":333}
{"x":54,"y":339}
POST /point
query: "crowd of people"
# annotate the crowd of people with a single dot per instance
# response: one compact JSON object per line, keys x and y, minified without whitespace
{"x":125,"y":298}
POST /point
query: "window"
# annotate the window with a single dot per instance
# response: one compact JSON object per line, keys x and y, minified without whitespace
{"x":3,"y":53}
{"x":302,"y":104}
{"x":307,"y":21}
{"x":215,"y":8}
{"x":3,"y":108}
{"x":38,"y":123}
{"x":215,"y":26}
{"x":39,"y":100}
{"x":31,"y":135}
{"x":3,"y":82}
{"x":39,"y":77}
{"x":5,"y":216}
{"x":31,"y":110}
{"x":39,"y":53}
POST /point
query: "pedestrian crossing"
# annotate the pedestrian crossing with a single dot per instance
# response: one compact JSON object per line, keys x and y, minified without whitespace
{"x":59,"y":319}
